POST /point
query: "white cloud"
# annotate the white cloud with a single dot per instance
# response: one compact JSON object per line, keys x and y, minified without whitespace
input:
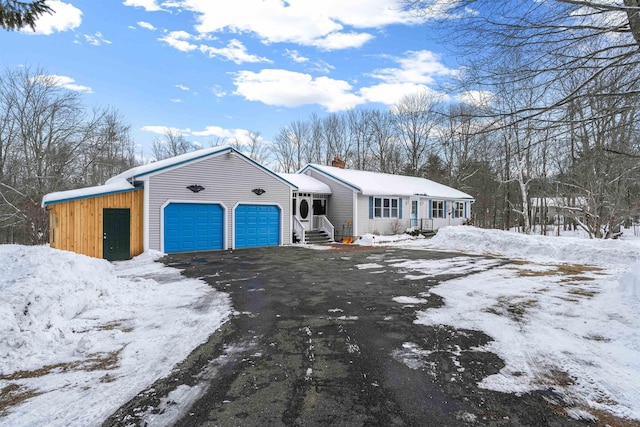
{"x":335,"y":41}
{"x":61,"y":81}
{"x":176,"y":100}
{"x":216,"y":131}
{"x":161,"y":130}
{"x":66,"y":17}
{"x":148,"y":5}
{"x":418,"y":67}
{"x":97,"y":39}
{"x":218,"y":91}
{"x":480,"y":98}
{"x":322,"y":67}
{"x":208,"y":131}
{"x":291,"y":89}
{"x":390,"y":93}
{"x":182,"y":87}
{"x":295,"y":56}
{"x":179,"y":40}
{"x":311,"y":23}
{"x":235,"y":51}
{"x":146,"y":25}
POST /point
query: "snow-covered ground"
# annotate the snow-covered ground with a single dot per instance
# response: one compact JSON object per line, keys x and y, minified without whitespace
{"x":80,"y":336}
{"x":565,"y":315}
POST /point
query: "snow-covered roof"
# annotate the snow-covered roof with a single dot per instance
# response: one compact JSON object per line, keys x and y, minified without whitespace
{"x":306,"y":184}
{"x":139,"y":171}
{"x":383,"y":184}
{"x":116,"y":186}
{"x":123,"y":181}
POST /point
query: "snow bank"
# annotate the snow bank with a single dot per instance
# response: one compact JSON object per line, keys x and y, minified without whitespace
{"x":89,"y":335}
{"x":536,"y":247}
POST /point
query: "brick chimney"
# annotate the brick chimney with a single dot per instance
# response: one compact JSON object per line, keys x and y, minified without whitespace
{"x":337,"y":163}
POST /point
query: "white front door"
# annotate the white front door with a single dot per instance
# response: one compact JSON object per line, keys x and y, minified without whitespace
{"x":304,"y":213}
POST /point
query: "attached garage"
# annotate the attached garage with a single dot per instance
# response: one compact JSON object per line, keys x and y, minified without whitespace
{"x":190,"y":227}
{"x":257,"y":225}
{"x":211,"y":199}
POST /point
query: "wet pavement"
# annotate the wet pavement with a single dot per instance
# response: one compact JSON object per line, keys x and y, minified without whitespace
{"x":317,"y":341}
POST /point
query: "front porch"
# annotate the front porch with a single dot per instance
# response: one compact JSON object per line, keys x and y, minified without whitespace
{"x":310,"y":223}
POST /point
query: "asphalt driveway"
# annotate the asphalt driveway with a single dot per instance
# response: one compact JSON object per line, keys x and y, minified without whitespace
{"x":318,"y":339}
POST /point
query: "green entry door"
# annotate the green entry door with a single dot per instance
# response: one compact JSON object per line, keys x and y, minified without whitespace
{"x":116,"y":234}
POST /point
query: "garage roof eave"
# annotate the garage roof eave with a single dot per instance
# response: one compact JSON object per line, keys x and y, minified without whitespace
{"x":84,"y":193}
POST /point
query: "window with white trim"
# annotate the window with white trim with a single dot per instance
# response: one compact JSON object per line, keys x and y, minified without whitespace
{"x":459,"y":210}
{"x":385,"y":207}
{"x":437,"y":209}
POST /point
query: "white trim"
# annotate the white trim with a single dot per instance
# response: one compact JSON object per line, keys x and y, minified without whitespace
{"x":291,"y":216}
{"x":343,"y":183}
{"x":233,"y":220}
{"x":418,"y":215}
{"x":145,"y":216}
{"x":194,"y":202}
{"x":354,"y":220}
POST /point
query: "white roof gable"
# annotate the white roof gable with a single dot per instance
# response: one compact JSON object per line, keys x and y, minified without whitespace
{"x":121,"y":183}
{"x":383,"y":184}
{"x":306,"y":184}
{"x":167,"y":163}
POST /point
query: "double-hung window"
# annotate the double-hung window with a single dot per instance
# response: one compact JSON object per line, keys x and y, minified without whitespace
{"x":459,"y":210}
{"x":385,"y":207}
{"x":437,"y":209}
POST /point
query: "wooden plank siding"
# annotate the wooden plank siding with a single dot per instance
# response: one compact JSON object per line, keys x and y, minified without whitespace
{"x":76,"y":225}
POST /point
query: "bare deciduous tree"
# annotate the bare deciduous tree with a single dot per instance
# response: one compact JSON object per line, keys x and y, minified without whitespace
{"x":251,"y":144}
{"x":171,"y":144}
{"x":415,"y":119}
{"x":555,"y":38}
{"x":49,"y":143}
{"x":290,"y":145}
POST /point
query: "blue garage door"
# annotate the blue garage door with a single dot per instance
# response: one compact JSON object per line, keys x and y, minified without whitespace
{"x":257,"y":225}
{"x":192,"y":227}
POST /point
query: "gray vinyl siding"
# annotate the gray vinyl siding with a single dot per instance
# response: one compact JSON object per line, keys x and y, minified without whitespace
{"x":227,"y":179}
{"x":340,"y":203}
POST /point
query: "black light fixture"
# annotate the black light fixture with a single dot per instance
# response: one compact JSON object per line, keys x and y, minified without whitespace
{"x":196,"y":188}
{"x":259,"y":191}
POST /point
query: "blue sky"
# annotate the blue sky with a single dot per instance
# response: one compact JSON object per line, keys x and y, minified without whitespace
{"x":213,"y":69}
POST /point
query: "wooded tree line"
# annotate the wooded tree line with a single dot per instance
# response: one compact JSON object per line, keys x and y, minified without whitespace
{"x":50,"y":141}
{"x":584,"y":159}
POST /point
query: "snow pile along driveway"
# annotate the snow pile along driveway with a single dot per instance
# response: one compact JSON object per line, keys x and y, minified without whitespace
{"x":564,"y":315}
{"x":80,"y":336}
{"x":536,"y":247}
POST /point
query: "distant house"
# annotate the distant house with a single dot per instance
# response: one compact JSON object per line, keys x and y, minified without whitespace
{"x":558,"y":210}
{"x":218,"y":198}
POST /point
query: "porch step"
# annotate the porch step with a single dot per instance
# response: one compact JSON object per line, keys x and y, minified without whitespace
{"x":316,"y":236}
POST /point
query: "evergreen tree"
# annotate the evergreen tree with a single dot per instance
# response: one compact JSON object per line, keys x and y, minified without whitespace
{"x":15,"y":15}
